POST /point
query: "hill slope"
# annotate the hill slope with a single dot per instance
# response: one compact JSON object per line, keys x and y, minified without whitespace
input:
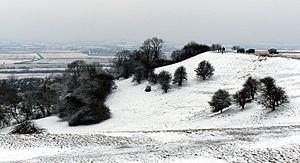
{"x":187,"y":107}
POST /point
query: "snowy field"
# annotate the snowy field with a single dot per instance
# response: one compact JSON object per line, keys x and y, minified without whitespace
{"x":275,"y":144}
{"x":178,"y":126}
{"x":30,"y":64}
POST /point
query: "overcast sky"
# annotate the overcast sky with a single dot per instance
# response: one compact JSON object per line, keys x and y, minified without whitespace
{"x":224,"y":21}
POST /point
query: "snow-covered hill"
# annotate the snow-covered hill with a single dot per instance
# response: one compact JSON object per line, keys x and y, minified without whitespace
{"x":123,"y":137}
{"x":187,"y":107}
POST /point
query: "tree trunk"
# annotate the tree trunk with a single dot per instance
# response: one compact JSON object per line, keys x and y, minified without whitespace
{"x":14,"y":112}
{"x":252,"y":95}
{"x":42,"y":109}
{"x":180,"y":82}
{"x":273,"y":106}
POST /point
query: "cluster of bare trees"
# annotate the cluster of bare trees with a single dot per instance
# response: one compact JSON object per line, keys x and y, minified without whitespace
{"x":188,"y":51}
{"x":204,"y":70}
{"x":269,"y":95}
{"x":141,"y":62}
{"x":25,"y":99}
{"x":77,"y":96}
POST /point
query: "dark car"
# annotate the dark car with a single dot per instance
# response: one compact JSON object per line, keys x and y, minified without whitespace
{"x":241,"y":50}
{"x":250,"y":51}
{"x":273,"y":51}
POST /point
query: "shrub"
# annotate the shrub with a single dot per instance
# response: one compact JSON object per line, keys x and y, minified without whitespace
{"x":27,"y":127}
{"x":180,"y":76}
{"x":92,"y":89}
{"x":205,"y":70}
{"x":242,"y":97}
{"x":220,"y":100}
{"x":164,"y":79}
{"x":90,"y":115}
{"x":251,"y":85}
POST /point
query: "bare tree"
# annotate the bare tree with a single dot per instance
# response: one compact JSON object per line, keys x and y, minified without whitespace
{"x":252,"y":86}
{"x":138,"y":76}
{"x":152,"y":48}
{"x":164,"y":79}
{"x":176,"y":55}
{"x":272,"y":96}
{"x":76,"y":68}
{"x":180,"y":76}
{"x":235,"y":47}
{"x":242,"y":97}
{"x":267,"y":84}
{"x":205,"y":70}
{"x":120,"y":63}
{"x":216,"y":47}
{"x":220,"y":100}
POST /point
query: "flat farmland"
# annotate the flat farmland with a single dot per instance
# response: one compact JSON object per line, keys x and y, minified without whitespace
{"x":43,"y":64}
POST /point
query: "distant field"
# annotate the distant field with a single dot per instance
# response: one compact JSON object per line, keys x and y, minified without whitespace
{"x":43,"y":64}
{"x":28,"y":56}
{"x":285,"y":54}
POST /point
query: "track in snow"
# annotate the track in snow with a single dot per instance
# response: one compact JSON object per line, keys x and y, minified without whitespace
{"x":277,"y":144}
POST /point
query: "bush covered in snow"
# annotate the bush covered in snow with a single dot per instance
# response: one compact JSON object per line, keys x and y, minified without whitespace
{"x":27,"y":127}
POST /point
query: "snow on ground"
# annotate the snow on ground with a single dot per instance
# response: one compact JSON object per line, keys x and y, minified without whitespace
{"x":24,"y":154}
{"x":213,"y":145}
{"x":178,"y":126}
{"x":187,"y":107}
